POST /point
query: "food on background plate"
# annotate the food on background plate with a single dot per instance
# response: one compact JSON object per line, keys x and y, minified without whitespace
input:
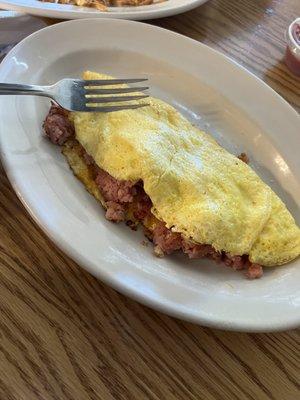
{"x":102,"y":5}
{"x":151,"y":166}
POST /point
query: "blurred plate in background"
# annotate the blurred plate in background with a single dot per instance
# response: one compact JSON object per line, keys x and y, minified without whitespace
{"x":52,"y":10}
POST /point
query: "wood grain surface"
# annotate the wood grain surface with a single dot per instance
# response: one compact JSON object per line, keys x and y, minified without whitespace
{"x":65,"y":335}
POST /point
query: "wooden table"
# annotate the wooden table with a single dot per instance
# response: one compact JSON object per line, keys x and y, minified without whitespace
{"x":65,"y":335}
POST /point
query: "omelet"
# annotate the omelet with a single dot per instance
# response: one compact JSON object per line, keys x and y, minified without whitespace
{"x":197,"y":188}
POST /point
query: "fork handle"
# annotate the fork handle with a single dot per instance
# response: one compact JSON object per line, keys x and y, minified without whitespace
{"x":19,"y":89}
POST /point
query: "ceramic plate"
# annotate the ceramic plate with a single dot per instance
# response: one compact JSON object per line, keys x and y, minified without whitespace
{"x":213,"y":92}
{"x":63,"y":11}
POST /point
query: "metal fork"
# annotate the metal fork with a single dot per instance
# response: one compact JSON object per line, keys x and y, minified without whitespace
{"x":81,"y":95}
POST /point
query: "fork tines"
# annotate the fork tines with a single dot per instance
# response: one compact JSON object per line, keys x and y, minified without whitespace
{"x":115,"y":108}
{"x":114,"y":99}
{"x":106,"y":82}
{"x":92,"y":91}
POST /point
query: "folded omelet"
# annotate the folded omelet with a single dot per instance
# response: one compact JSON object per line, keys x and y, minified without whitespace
{"x":196,"y":187}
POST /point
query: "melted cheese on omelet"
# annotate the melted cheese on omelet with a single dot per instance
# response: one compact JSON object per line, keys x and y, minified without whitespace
{"x":196,"y":186}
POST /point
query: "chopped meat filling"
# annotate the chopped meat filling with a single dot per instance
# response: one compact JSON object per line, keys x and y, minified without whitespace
{"x":254,"y":271}
{"x":115,"y":211}
{"x":194,"y":250}
{"x":57,"y":125}
{"x":244,"y":158}
{"x":165,"y":240}
{"x":143,"y":204}
{"x":116,"y":193}
{"x":113,"y":189}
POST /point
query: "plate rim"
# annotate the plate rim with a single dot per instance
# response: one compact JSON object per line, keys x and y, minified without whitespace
{"x":78,"y":258}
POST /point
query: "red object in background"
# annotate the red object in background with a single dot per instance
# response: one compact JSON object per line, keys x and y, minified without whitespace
{"x":292,"y":55}
{"x":292,"y":62}
{"x":296,"y":32}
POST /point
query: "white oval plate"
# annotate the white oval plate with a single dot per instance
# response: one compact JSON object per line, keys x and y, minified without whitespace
{"x":63,"y":11}
{"x":215,"y":93}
